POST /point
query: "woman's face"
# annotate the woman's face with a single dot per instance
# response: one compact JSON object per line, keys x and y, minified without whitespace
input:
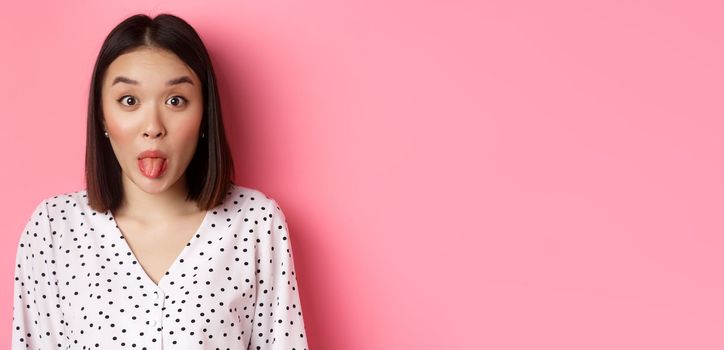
{"x":152,"y":101}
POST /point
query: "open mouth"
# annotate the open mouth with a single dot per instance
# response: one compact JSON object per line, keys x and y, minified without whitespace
{"x":152,"y":167}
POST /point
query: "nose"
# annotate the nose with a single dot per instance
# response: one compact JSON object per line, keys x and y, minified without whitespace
{"x":154,"y":127}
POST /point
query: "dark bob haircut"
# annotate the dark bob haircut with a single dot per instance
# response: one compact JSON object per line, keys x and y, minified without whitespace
{"x":211,"y":169}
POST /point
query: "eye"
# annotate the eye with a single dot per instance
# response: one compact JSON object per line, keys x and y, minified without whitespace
{"x":176,"y":101}
{"x":127,"y":98}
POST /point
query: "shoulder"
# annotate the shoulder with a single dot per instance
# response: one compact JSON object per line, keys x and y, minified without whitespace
{"x":59,"y":211}
{"x":41,"y":224}
{"x":257,"y":212}
{"x":250,"y":203}
{"x":238,"y":196}
{"x":62,"y":202}
{"x":65,"y":203}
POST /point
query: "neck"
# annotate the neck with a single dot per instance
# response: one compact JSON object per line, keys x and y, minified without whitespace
{"x":167,"y":205}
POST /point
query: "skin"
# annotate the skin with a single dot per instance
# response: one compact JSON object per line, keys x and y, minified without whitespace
{"x":152,"y":115}
{"x":154,"y":216}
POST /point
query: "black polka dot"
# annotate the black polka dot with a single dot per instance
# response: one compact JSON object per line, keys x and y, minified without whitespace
{"x":79,"y":285}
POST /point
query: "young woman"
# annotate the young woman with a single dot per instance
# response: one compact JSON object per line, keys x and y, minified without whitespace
{"x":161,"y":250}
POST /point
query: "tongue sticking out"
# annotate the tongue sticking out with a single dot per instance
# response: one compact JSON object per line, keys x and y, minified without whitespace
{"x":151,"y":167}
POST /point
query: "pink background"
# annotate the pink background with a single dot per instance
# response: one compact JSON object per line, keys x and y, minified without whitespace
{"x":455,"y":174}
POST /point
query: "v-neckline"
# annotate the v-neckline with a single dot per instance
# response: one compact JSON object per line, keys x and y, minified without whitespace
{"x":180,"y":255}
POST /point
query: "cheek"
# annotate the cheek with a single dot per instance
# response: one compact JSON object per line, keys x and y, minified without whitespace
{"x":121,"y":142}
{"x":186,"y":134}
{"x":189,"y":126}
{"x":121,"y":133}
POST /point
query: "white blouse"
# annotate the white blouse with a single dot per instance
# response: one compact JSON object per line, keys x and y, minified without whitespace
{"x":78,"y":285}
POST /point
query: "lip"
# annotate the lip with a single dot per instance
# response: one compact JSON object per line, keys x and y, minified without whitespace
{"x":155,"y":154}
{"x":152,"y":153}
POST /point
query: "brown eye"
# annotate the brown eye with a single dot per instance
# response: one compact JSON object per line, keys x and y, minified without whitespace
{"x":128,"y":99}
{"x":176,"y":101}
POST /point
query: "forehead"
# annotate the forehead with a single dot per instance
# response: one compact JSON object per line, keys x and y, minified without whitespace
{"x":148,"y":66}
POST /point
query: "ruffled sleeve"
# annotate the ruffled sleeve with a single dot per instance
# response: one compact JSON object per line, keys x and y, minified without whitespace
{"x":38,"y":320}
{"x":278,"y":323}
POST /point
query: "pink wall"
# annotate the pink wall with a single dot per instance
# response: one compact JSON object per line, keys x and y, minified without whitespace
{"x":456,"y":175}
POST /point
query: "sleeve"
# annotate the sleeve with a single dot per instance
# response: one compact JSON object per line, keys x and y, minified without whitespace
{"x":38,"y":321}
{"x":277,"y":322}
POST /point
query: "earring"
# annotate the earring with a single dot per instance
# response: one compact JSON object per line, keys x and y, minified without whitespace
{"x":202,"y":135}
{"x":106,"y":133}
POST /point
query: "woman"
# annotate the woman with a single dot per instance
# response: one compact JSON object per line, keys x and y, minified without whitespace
{"x":161,"y":250}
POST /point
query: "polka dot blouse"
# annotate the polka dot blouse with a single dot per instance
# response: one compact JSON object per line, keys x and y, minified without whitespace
{"x":78,"y":285}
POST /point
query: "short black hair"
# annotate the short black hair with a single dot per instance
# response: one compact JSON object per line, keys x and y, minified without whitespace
{"x":210,"y":172}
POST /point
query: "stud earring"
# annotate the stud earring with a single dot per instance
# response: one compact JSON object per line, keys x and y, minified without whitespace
{"x":106,"y":133}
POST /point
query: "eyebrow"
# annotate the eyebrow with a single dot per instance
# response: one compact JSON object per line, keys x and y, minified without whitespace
{"x":175,"y":81}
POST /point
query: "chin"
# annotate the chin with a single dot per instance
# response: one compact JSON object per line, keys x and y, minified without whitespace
{"x":153,"y":186}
